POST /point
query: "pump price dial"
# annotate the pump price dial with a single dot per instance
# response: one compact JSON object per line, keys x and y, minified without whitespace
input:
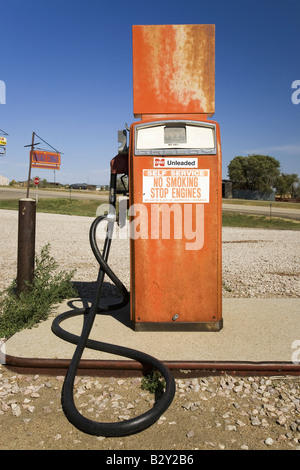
{"x":175,"y":135}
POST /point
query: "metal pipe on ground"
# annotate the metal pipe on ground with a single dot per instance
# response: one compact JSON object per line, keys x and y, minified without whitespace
{"x":118,"y":368}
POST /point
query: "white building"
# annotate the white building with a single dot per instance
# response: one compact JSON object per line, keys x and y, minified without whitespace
{"x":4,"y":181}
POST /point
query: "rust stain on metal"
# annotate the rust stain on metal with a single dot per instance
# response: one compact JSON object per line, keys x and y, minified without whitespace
{"x":174,"y":69}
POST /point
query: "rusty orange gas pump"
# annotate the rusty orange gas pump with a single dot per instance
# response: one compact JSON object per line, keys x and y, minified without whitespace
{"x":175,"y":181}
{"x":173,"y":162}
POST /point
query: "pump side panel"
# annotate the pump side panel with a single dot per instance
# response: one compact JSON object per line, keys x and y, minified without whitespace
{"x":169,"y":283}
{"x":173,"y":69}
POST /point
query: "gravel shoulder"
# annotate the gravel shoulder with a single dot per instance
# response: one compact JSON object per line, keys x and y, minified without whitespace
{"x":214,"y":413}
{"x":208,"y":413}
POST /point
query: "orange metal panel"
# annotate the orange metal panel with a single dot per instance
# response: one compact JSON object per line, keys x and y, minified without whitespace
{"x":173,"y":69}
{"x":167,"y":280}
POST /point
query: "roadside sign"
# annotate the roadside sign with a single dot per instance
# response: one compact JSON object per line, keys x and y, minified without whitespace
{"x":3,"y":141}
{"x":46,"y":160}
{"x":36,"y":181}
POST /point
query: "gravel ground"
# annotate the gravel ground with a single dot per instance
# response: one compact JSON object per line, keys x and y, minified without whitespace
{"x":216,"y":413}
{"x":256,"y":263}
{"x":213,"y":413}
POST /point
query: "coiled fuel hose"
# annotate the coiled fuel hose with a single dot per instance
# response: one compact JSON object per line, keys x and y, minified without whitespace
{"x":112,"y":429}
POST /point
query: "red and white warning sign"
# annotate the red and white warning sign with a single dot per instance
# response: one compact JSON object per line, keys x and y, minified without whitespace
{"x":184,"y":186}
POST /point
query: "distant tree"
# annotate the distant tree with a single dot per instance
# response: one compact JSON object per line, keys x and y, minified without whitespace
{"x":256,"y":172}
{"x":237,"y":172}
{"x":296,"y":191}
{"x":286,"y":184}
{"x":43,"y":183}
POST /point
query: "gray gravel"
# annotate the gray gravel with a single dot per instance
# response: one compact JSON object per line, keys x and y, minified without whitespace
{"x":217,"y":413}
{"x":261,"y":263}
{"x":256,"y":263}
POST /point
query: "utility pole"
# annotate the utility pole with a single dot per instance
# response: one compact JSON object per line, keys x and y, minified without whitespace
{"x":30,"y":156}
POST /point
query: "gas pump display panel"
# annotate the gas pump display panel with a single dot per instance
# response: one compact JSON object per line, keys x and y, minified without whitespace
{"x":175,"y":138}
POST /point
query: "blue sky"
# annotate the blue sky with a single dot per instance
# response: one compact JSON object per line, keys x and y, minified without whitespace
{"x":67,"y":67}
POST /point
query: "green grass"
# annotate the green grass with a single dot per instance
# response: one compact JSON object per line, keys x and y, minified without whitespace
{"x":258,"y":221}
{"x":58,"y":206}
{"x":27,"y":309}
{"x":251,"y":202}
{"x":88,"y":208}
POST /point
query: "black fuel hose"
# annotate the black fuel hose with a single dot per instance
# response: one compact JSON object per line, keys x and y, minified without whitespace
{"x":113,"y":429}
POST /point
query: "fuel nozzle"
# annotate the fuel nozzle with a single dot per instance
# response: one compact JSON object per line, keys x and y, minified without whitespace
{"x":118,"y":166}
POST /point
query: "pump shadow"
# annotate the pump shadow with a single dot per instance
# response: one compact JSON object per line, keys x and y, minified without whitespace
{"x":109,"y":296}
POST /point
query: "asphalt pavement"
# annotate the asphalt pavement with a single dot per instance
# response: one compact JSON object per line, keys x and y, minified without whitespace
{"x":269,"y":211}
{"x":19,"y":193}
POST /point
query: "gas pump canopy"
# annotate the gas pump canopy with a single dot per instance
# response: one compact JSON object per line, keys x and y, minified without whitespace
{"x":173,"y":70}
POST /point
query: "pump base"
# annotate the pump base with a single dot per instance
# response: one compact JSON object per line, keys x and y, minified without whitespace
{"x":177,"y":326}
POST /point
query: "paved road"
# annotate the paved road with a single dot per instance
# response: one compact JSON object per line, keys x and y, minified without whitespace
{"x":263,"y":210}
{"x":13,"y":193}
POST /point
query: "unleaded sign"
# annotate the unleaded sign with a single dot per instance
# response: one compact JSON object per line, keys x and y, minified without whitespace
{"x":46,"y":160}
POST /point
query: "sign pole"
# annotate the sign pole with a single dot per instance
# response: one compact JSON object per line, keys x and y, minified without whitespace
{"x":29,"y":173}
{"x":36,"y":182}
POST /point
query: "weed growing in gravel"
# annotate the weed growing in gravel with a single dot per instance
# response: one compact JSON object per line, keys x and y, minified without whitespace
{"x":153,"y":382}
{"x":227,"y":288}
{"x":50,"y":286}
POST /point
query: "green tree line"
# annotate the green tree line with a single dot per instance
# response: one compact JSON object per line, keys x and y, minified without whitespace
{"x":262,"y":173}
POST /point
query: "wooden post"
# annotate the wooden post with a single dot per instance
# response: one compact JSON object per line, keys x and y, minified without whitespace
{"x":26,"y":244}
